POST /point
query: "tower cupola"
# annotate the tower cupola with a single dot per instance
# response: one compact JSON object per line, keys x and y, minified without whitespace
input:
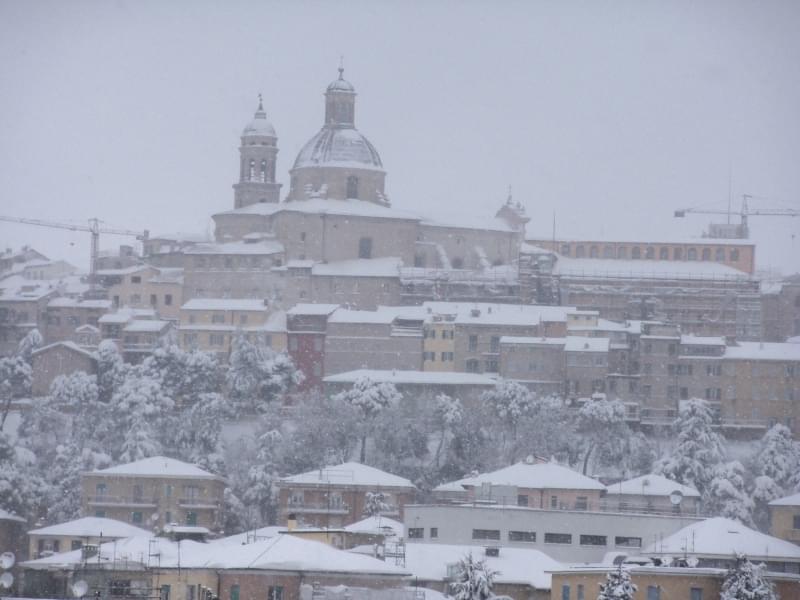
{"x":258,"y":154}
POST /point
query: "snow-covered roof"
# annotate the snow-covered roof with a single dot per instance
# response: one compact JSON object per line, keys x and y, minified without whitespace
{"x":312,"y":309}
{"x":486,"y":313}
{"x":537,"y":476}
{"x":382,"y":314}
{"x":724,"y":537}
{"x":533,"y":340}
{"x":8,"y":516}
{"x":126,"y":313}
{"x":398,"y":377}
{"x":377,"y":524}
{"x":360,"y":267}
{"x":527,"y":566}
{"x":318,"y":206}
{"x":277,"y":553}
{"x":68,"y":344}
{"x":609,"y":239}
{"x":793,"y":500}
{"x":276,"y":322}
{"x":344,"y":147}
{"x":146,"y":326}
{"x":157,"y":466}
{"x":586,"y":344}
{"x":64,"y":302}
{"x":223,"y":304}
{"x":651,"y":485}
{"x":456,"y":220}
{"x":350,"y":473}
{"x":91,"y":527}
{"x":264,"y":247}
{"x":453,"y":486}
{"x":697,"y":340}
{"x":763,"y":351}
{"x":181,"y":236}
{"x":646,"y":269}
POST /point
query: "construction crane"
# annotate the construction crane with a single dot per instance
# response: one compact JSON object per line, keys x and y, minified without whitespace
{"x":741,"y":230}
{"x":93,"y":227}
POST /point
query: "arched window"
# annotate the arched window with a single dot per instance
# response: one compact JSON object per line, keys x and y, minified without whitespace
{"x":650,"y":253}
{"x":608,"y":251}
{"x":663,"y":253}
{"x":457,"y":262}
{"x":677,"y":254}
{"x":580,"y":251}
{"x":594,"y":252}
{"x":252,"y":170}
{"x":636,"y":252}
{"x":263,"y":171}
{"x":735,"y":255}
{"x":622,"y":252}
{"x":692,"y":254}
{"x":706,"y":253}
{"x":720,"y":255}
{"x":352,"y":186}
{"x":565,"y":249}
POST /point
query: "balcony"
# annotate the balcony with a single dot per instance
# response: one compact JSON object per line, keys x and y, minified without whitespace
{"x":121,"y":501}
{"x":339,"y":508}
{"x":198,"y":503}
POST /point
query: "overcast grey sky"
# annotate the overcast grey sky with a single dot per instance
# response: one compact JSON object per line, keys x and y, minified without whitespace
{"x":611,"y":114}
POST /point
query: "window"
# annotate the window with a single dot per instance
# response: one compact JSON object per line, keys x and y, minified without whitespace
{"x":120,"y":587}
{"x":628,"y":542}
{"x":419,"y":260}
{"x":242,"y":319}
{"x":434,"y":532}
{"x":796,"y":522}
{"x":521,"y":536}
{"x":553,"y":501}
{"x":416,"y":533}
{"x":580,"y":251}
{"x":302,"y":236}
{"x":473,"y":343}
{"x":565,"y":591}
{"x":719,"y":255}
{"x":76,"y":545}
{"x":234,"y":592}
{"x":136,"y":279}
{"x":653,"y":592}
{"x":650,"y":253}
{"x":580,"y":592}
{"x":522,"y":500}
{"x":457,"y":263}
{"x":594,"y":252}
{"x":447,"y":357}
{"x":692,"y":254}
{"x":153,"y":300}
{"x":218,"y":318}
{"x":663,"y":253}
{"x":473,"y":365}
{"x":622,"y":252}
{"x":677,"y":254}
{"x":581,"y":503}
{"x":352,"y":186}
{"x":216,"y":339}
{"x":164,"y":592}
{"x":429,"y":356}
{"x":275,"y":592}
{"x":492,"y":366}
{"x":593,"y":540}
{"x":495,"y":344}
{"x":706,"y":254}
{"x":191,"y":518}
{"x":608,"y":251}
{"x":136,"y":517}
{"x":735,"y":255}
{"x":138,"y":492}
{"x":557,"y":538}
{"x":636,"y":253}
{"x":565,"y":249}
{"x":263,"y":176}
{"x":697,"y":593}
{"x":485,"y":534}
{"x":136,"y":299}
{"x":365,"y":247}
{"x":100,"y":513}
{"x":252,"y":172}
{"x":100,"y":490}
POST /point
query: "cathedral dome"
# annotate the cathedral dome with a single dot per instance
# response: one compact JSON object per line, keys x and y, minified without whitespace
{"x":337,"y":147}
{"x":259,"y":125}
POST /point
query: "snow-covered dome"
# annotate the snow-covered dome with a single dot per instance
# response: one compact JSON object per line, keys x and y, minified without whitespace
{"x":341,"y":85}
{"x":259,"y":125}
{"x":339,"y":147}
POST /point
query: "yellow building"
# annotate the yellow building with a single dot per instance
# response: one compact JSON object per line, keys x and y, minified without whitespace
{"x":784,"y":518}
{"x":144,"y":286}
{"x":210,"y":324}
{"x":77,"y":534}
{"x":438,"y":345}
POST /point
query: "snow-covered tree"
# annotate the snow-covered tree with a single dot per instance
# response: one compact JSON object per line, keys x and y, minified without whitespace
{"x":142,"y":418}
{"x":63,"y":476}
{"x":777,"y":456}
{"x":603,"y":427}
{"x":111,"y":369}
{"x":375,"y":504}
{"x":22,"y":490}
{"x":474,"y":579}
{"x":257,"y":375}
{"x":617,"y":585}
{"x":198,"y":438}
{"x":510,"y":402}
{"x":183,"y":375}
{"x":369,"y":398}
{"x":726,"y":495}
{"x":746,"y":581}
{"x":763,"y":491}
{"x":15,"y":377}
{"x":699,"y":449}
{"x":400,"y":436}
{"x":29,"y":344}
{"x":448,"y":414}
{"x":78,"y":396}
{"x":258,"y":493}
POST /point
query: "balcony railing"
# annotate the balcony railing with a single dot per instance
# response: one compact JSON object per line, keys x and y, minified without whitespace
{"x":121,"y":501}
{"x":198,"y":503}
{"x":340,"y":508}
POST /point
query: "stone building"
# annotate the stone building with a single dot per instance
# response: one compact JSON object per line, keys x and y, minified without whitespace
{"x":154,"y":492}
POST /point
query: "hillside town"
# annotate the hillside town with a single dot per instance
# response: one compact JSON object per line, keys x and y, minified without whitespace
{"x":333,"y":396}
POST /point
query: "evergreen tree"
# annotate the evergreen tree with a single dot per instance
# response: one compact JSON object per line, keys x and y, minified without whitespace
{"x":375,"y":504}
{"x":29,"y":344}
{"x":474,"y":580}
{"x":617,"y":585}
{"x":603,"y":427}
{"x":22,"y":490}
{"x":448,"y":415}
{"x":511,"y":402}
{"x":746,"y":581}
{"x":259,"y":494}
{"x":111,"y":369}
{"x":198,"y":438}
{"x":777,"y":456}
{"x":142,"y":418}
{"x":369,"y":399}
{"x":726,"y":495}
{"x":764,"y":490}
{"x":699,"y":449}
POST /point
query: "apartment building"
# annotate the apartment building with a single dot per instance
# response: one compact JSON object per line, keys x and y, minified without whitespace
{"x":22,"y":309}
{"x":336,"y":496}
{"x":77,"y":534}
{"x":64,"y":315}
{"x":55,"y":360}
{"x":210,"y":324}
{"x":145,"y":287}
{"x":154,"y":492}
{"x":652,"y":494}
{"x":784,"y":518}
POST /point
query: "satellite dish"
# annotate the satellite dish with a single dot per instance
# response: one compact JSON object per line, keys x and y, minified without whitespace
{"x":676,"y":497}
{"x":79,"y":588}
{"x":692,"y":561}
{"x":6,"y":580}
{"x":7,"y":560}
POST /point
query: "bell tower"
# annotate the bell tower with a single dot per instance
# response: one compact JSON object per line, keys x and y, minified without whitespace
{"x":258,"y":153}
